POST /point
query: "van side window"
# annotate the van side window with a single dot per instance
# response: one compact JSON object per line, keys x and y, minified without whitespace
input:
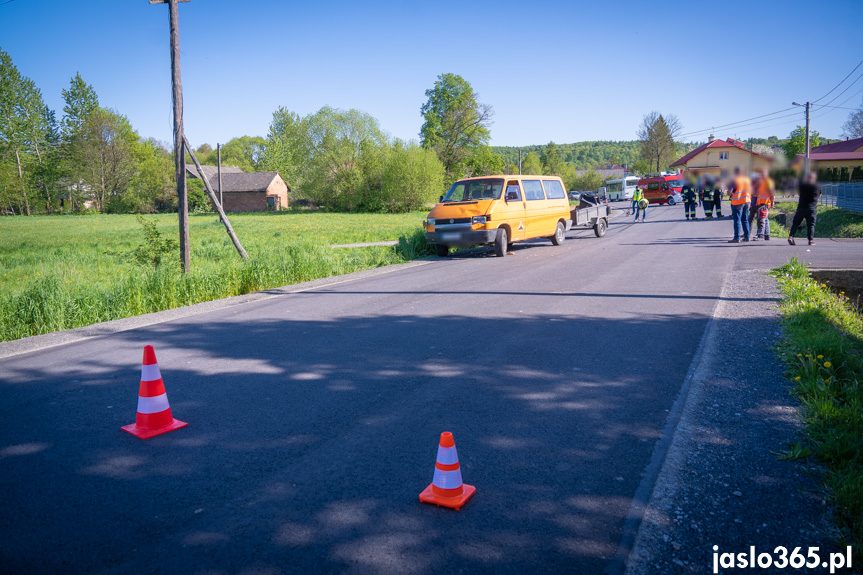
{"x":513,"y":187}
{"x":653,"y":186}
{"x":553,"y":190}
{"x":533,"y":190}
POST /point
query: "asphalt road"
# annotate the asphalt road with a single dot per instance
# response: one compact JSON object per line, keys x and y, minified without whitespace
{"x":314,"y":416}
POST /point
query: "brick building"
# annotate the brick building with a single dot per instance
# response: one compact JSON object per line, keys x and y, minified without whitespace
{"x":247,"y":192}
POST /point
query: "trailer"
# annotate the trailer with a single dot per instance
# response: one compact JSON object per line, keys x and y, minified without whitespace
{"x":588,"y":215}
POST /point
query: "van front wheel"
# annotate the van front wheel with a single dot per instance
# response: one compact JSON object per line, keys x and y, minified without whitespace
{"x":559,"y":234}
{"x":500,"y":241}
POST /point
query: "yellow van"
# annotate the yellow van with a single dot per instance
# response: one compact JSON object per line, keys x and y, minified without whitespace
{"x":499,"y":210}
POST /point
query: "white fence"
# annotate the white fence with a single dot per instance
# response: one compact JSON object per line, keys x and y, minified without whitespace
{"x":847,"y":196}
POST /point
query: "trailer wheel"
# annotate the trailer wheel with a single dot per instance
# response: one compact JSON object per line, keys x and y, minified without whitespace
{"x":599,"y":227}
{"x":500,"y":242}
{"x":441,"y":250}
{"x":559,"y":234}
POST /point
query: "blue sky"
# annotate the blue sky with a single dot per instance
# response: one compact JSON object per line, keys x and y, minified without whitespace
{"x":562,"y":71}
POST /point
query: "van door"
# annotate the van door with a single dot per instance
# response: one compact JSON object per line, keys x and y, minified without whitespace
{"x":511,"y":211}
{"x":534,"y":208}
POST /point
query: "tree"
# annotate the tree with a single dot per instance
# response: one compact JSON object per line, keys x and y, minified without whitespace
{"x":27,"y":131}
{"x":454,"y":122}
{"x":531,"y":164}
{"x":796,"y":142}
{"x":342,"y":146}
{"x":80,"y":101}
{"x":246,"y":153}
{"x":411,"y":178}
{"x":853,"y":128}
{"x":287,"y":148}
{"x":106,"y":142}
{"x":483,"y":162}
{"x":590,"y":180}
{"x":657,"y":135}
{"x":552,"y":163}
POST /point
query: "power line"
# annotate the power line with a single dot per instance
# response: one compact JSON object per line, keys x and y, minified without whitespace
{"x":735,"y":123}
{"x":840,"y":83}
{"x":845,"y":90}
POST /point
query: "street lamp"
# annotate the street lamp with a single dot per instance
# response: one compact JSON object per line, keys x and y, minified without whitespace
{"x":806,"y":157}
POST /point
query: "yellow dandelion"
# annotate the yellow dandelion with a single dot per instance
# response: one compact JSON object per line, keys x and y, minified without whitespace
{"x":820,"y":357}
{"x":797,"y":378}
{"x":827,"y":364}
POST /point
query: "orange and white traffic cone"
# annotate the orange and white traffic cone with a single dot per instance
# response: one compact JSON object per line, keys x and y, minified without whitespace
{"x":154,"y":413}
{"x":446,"y":488}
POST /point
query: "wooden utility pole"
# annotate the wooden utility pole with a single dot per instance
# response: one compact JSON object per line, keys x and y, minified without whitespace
{"x":179,"y":155}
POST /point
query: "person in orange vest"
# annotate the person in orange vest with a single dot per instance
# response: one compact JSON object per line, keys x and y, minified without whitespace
{"x":765,"y":195}
{"x":741,"y":195}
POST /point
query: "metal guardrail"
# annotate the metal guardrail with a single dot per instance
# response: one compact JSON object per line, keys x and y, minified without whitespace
{"x":846,"y":196}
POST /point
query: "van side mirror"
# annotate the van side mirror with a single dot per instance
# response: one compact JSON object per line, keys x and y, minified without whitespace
{"x":511,"y":196}
{"x":440,"y":199}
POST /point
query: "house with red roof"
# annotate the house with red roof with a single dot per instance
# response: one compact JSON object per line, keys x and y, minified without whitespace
{"x":847,"y":154}
{"x":718,"y":158}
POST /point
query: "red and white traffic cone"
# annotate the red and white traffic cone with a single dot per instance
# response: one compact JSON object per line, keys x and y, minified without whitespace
{"x":154,"y":413}
{"x":446,"y":488}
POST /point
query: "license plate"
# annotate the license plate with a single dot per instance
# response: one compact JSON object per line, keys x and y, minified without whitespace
{"x":450,"y":237}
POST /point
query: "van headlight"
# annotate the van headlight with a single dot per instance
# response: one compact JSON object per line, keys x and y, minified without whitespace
{"x":430,"y":222}
{"x":478,"y":220}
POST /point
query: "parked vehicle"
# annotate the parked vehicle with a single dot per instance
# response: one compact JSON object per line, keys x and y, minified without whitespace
{"x":622,"y":189}
{"x":662,"y":188}
{"x":499,"y":210}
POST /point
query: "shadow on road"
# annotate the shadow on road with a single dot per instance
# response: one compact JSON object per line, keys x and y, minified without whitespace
{"x":309,"y":442}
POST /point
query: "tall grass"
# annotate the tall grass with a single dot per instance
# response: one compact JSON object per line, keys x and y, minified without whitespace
{"x":823,"y":349}
{"x":83,"y":274}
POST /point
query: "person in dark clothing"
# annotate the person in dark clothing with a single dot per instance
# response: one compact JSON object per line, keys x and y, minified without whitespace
{"x":705,"y":195}
{"x":690,"y":198}
{"x":807,"y":206}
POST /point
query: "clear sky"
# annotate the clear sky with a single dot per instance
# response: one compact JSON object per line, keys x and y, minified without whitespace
{"x":562,"y":71}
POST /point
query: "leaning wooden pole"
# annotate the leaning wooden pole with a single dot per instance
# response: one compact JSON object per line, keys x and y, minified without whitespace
{"x":216,"y":202}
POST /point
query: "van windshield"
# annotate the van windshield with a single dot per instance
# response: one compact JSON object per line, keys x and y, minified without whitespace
{"x":473,"y":190}
{"x":675,"y":183}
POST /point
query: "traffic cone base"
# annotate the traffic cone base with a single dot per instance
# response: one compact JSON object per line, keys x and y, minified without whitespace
{"x":148,"y":433}
{"x":429,"y":496}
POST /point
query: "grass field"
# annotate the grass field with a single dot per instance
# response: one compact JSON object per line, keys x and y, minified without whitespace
{"x":60,"y":272}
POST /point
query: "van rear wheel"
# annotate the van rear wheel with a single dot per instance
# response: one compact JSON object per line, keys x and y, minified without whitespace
{"x":500,"y":242}
{"x":441,"y":250}
{"x":559,"y":234}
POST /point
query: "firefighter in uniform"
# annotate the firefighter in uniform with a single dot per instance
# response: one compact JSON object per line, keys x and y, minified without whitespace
{"x":705,"y":193}
{"x":717,"y":199}
{"x":690,"y":198}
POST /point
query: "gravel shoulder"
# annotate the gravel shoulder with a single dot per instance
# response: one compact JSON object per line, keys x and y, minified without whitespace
{"x":722,"y":482}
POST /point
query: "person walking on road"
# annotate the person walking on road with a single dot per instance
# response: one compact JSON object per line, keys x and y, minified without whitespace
{"x":705,"y":194}
{"x":636,"y":195}
{"x":690,"y":198}
{"x":807,"y":208}
{"x":765,"y":196}
{"x":741,"y":195}
{"x":636,"y":202}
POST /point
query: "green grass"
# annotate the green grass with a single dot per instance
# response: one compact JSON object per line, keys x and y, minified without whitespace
{"x":823,"y":349}
{"x":830,"y":223}
{"x":60,"y":272}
